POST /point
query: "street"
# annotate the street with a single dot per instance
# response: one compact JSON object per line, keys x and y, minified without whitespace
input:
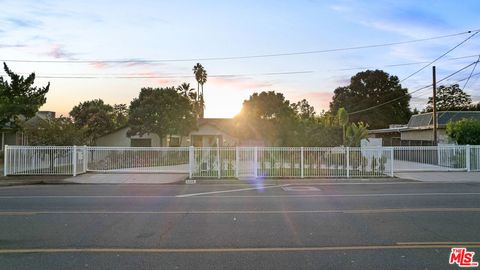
{"x":395,"y":225}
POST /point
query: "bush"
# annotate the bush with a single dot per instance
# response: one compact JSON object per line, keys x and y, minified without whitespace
{"x":465,"y":131}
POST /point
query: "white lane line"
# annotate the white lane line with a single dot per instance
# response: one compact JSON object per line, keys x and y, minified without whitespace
{"x":247,"y":196}
{"x":227,"y":191}
{"x":346,"y":195}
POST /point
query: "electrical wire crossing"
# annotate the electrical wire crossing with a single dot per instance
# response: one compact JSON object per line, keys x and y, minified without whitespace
{"x":241,"y":57}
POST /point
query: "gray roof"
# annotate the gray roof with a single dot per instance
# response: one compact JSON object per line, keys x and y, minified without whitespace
{"x":425,"y":119}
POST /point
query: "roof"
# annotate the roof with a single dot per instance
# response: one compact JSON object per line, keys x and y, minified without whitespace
{"x":226,"y":125}
{"x":424,"y":120}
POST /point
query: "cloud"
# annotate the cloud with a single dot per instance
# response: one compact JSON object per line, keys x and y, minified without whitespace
{"x":411,"y":21}
{"x":319,"y":100}
{"x":12,"y":45}
{"x":58,"y":51}
{"x":24,"y":23}
{"x":241,"y":83}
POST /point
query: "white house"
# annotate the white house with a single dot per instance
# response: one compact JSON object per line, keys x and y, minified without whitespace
{"x":210,"y":132}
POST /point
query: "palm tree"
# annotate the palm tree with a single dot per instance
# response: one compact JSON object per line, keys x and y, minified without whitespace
{"x":186,"y":90}
{"x":198,"y":70}
{"x":356,"y":133}
{"x":201,"y":77}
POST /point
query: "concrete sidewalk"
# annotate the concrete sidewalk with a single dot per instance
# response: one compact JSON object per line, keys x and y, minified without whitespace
{"x":452,"y":177}
{"x":127,"y":178}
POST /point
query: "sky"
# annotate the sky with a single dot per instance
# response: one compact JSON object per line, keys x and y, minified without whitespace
{"x":141,"y":31}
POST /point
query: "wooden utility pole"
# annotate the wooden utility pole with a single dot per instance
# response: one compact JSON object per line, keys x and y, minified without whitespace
{"x":434,"y":99}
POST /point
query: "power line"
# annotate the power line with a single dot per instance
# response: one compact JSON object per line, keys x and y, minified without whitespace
{"x":406,"y":64}
{"x":173,"y":76}
{"x":438,"y":58}
{"x":241,"y":57}
{"x":142,"y":75}
{"x":417,"y":90}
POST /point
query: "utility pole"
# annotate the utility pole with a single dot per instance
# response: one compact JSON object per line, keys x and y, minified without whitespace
{"x":434,"y":99}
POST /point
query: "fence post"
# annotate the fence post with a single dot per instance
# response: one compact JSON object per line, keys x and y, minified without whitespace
{"x":392,"y":158}
{"x":74,"y":160}
{"x":219,"y":166}
{"x":190,"y":161}
{"x":467,"y":155}
{"x":85,"y":159}
{"x":301,"y":161}
{"x":237,"y":161}
{"x":348,"y":162}
{"x":255,"y":157}
{"x":5,"y":160}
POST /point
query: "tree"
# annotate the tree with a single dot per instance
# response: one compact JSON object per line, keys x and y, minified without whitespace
{"x":371,"y":88}
{"x":161,"y":111}
{"x":97,"y":118}
{"x":303,"y":109}
{"x":465,"y":131}
{"x":201,"y":77}
{"x":59,"y":131}
{"x":120,"y":115}
{"x":356,"y":133}
{"x":19,"y":97}
{"x":268,"y":116}
{"x":342,"y":118}
{"x":450,"y":98}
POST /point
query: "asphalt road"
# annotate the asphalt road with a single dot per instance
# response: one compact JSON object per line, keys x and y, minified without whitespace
{"x":326,"y":226}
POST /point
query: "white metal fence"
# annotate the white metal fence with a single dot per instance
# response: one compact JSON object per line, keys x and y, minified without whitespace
{"x":235,"y":162}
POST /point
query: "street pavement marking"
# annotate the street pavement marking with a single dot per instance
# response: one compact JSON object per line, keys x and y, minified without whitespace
{"x":438,"y":243}
{"x":339,"y":211}
{"x":243,"y":196}
{"x":225,"y":250}
{"x":227,"y":191}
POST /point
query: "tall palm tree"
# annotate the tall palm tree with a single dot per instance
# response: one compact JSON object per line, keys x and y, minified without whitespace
{"x":197,"y":71}
{"x":201,"y":77}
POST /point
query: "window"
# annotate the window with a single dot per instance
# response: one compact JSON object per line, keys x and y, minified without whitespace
{"x":174,"y":142}
{"x":140,"y":142}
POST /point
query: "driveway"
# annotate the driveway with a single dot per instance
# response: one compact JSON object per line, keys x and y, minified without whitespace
{"x":452,"y":177}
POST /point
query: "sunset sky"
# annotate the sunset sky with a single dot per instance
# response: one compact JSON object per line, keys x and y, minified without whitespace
{"x":73,"y":33}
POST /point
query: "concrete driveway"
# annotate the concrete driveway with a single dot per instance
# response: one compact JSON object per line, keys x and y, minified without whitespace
{"x":452,"y":177}
{"x":127,"y":178}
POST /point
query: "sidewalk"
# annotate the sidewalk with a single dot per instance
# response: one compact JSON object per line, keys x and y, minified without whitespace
{"x":450,"y":177}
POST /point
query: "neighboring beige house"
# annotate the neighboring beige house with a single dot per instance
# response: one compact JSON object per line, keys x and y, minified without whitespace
{"x":8,"y":136}
{"x":419,"y":130}
{"x":210,"y":132}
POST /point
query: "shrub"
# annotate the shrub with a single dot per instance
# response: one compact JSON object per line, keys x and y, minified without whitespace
{"x":465,"y":131}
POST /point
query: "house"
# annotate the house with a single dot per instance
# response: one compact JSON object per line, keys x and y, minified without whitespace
{"x":419,"y":130}
{"x":10,"y":136}
{"x":210,"y":132}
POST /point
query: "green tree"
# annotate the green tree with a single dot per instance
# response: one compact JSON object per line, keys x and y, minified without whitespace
{"x":450,"y":98}
{"x":304,"y":110}
{"x":59,"y":131}
{"x":368,"y":89}
{"x":268,"y":116}
{"x":161,"y":111}
{"x":342,"y":118}
{"x":465,"y":131}
{"x":19,"y":97}
{"x":96,"y":117}
{"x":356,"y":133}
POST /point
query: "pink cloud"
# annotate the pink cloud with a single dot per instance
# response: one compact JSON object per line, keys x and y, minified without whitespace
{"x":58,"y":51}
{"x":319,"y":100}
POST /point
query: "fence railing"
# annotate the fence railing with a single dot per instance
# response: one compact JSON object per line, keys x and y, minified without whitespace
{"x":235,"y":162}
